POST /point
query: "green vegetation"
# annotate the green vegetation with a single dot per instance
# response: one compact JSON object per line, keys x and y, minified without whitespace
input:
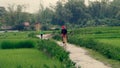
{"x":105,"y":49}
{"x":74,"y":14}
{"x":12,"y":44}
{"x":113,"y":42}
{"x":104,"y":40}
{"x":11,"y":40}
{"x":100,"y":57}
{"x":92,"y":38}
{"x":56,"y":51}
{"x":26,"y":58}
{"x":41,"y":53}
{"x":18,"y":35}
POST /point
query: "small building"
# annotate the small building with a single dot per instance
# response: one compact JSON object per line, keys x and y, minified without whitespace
{"x":37,"y":26}
{"x":26,"y":24}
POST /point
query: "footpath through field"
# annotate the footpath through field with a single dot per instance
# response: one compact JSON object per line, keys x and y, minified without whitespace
{"x":80,"y":56}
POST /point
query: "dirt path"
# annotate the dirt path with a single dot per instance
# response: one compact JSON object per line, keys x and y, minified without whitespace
{"x":80,"y":57}
{"x":45,"y":36}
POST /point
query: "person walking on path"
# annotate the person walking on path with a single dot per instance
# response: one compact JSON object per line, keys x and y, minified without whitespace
{"x":64,"y":35}
{"x":41,"y":34}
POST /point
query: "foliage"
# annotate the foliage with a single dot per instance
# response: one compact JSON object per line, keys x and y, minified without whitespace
{"x":73,"y":12}
{"x":49,"y":47}
{"x":12,"y":44}
{"x":97,"y":13}
{"x":45,"y":16}
{"x":2,"y":11}
{"x":15,"y":15}
{"x":22,"y":40}
{"x":32,"y":35}
{"x":26,"y":58}
{"x":53,"y":50}
{"x":105,"y":49}
{"x":18,"y":27}
{"x":90,"y":38}
{"x":12,"y":40}
{"x":57,"y":37}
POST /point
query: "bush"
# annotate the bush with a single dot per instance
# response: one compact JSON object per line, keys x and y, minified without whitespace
{"x":98,"y":32}
{"x":32,"y":35}
{"x":57,"y":37}
{"x":54,"y":50}
{"x":7,"y":44}
{"x":105,"y":49}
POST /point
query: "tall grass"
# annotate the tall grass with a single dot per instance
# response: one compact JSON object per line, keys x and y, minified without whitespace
{"x":112,"y":41}
{"x":26,"y":58}
{"x":18,"y":35}
{"x":12,"y":44}
{"x":54,"y":50}
{"x":29,"y":40}
{"x":12,"y":40}
{"x":108,"y":50}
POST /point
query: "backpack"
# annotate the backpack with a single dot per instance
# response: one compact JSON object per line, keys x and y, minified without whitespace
{"x":64,"y":31}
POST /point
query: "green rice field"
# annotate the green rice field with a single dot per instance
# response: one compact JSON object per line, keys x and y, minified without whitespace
{"x":26,"y":58}
{"x":19,"y":50}
{"x":114,"y":42}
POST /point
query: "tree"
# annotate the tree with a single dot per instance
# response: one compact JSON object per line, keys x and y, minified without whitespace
{"x":2,"y":13}
{"x":118,"y":15}
{"x":61,"y":14}
{"x":46,"y":16}
{"x":78,"y":10}
{"x":15,"y":15}
{"x":116,"y":3}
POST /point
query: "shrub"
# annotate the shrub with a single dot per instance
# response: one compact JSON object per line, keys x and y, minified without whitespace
{"x":105,"y":49}
{"x":98,"y":32}
{"x":57,"y":37}
{"x":7,"y":44}
{"x":32,"y":35}
{"x":54,"y":50}
{"x":25,"y":44}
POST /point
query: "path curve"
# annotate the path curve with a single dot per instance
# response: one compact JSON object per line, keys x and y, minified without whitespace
{"x":80,"y":56}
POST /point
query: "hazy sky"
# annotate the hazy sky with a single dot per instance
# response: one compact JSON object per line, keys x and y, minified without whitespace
{"x":32,"y":5}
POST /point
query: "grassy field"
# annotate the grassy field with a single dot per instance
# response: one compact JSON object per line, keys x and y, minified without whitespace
{"x":20,"y":50}
{"x":114,"y":42}
{"x":26,"y":58}
{"x":14,"y":35}
{"x":18,"y":39}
